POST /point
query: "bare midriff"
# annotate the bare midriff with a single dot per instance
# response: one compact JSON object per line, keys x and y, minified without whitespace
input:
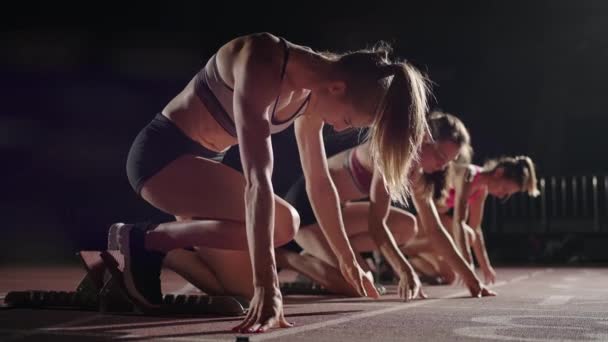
{"x":188,"y":113}
{"x":342,"y":177}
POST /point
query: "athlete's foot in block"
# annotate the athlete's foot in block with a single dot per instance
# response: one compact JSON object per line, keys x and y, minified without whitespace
{"x":113,"y":236}
{"x":142,"y":267}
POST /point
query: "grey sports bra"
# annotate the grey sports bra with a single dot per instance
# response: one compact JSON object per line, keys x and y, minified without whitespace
{"x":217,"y":96}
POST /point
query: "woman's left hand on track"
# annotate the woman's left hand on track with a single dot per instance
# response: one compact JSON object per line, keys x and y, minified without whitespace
{"x":410,"y":287}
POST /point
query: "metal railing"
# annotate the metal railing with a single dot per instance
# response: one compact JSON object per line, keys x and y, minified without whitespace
{"x":568,"y":204}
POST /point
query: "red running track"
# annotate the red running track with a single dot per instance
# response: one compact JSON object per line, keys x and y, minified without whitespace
{"x":534,"y":304}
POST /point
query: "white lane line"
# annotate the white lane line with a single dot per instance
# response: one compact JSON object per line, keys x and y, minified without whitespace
{"x":552,"y":309}
{"x":555,"y":300}
{"x":405,"y":306}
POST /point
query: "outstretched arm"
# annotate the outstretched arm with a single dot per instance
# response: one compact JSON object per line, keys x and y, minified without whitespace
{"x":325,"y":201}
{"x":441,"y":240}
{"x":255,"y":62}
{"x":479,"y":245}
{"x":409,"y":286}
{"x":463,"y":191}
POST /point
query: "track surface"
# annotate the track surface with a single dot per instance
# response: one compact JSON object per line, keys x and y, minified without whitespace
{"x":534,"y":304}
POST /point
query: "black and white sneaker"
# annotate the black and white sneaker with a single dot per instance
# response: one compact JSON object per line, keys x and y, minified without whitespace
{"x":142,"y":267}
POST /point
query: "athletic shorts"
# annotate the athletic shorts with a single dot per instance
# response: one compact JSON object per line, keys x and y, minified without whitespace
{"x":159,"y":143}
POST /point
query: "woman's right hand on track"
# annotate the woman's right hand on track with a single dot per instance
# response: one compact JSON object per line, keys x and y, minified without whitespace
{"x":478,"y":290}
{"x":265,"y":311}
{"x":410,"y":287}
{"x":361,"y":281}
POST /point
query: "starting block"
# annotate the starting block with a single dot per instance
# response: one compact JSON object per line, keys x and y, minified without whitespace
{"x":102,"y":289}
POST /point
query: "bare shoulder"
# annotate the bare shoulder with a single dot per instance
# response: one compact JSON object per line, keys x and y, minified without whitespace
{"x":257,"y":51}
{"x":364,"y":154}
{"x":262,"y":46}
{"x":308,"y":123}
{"x":419,"y":188}
{"x":460,"y":173}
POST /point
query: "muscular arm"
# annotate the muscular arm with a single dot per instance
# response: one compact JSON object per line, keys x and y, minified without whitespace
{"x":475,"y":219}
{"x":254,"y":66}
{"x":379,"y":230}
{"x":320,"y":187}
{"x":463,"y":190}
{"x":439,"y":237}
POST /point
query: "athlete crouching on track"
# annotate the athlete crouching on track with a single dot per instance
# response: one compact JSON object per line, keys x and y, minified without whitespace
{"x":374,"y":224}
{"x":254,"y":86}
{"x":462,"y":208}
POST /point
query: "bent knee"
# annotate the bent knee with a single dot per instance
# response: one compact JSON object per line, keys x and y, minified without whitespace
{"x":449,"y":277}
{"x":404,"y":228}
{"x":287,"y":223}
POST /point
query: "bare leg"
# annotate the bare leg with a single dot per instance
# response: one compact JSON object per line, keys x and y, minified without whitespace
{"x":213,"y":194}
{"x":189,"y":265}
{"x":402,"y":226}
{"x":327,"y":276}
{"x":311,"y":238}
{"x":424,"y":257}
{"x":418,"y":245}
{"x":423,"y":266}
{"x":232,"y":269}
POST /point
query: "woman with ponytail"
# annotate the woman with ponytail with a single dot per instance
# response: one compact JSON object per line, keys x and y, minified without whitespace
{"x":375,"y":224}
{"x":462,"y":208}
{"x":254,"y":86}
{"x":500,"y":177}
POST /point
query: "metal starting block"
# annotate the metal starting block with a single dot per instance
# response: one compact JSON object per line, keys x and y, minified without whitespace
{"x":102,"y":289}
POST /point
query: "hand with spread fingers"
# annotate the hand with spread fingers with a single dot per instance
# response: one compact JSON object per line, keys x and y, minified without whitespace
{"x":478,"y":290}
{"x":410,"y":287}
{"x":265,"y":312}
{"x":361,"y":281}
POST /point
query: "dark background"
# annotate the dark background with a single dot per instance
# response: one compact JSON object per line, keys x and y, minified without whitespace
{"x":76,"y":86}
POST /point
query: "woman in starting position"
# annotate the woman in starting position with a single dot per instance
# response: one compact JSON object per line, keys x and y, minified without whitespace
{"x":462,"y":208}
{"x":375,"y":224}
{"x":254,"y":86}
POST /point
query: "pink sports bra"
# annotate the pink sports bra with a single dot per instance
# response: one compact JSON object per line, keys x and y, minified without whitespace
{"x":449,"y":201}
{"x":360,"y":175}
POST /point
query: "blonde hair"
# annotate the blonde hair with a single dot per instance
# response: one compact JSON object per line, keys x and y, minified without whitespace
{"x":519,"y":169}
{"x":399,"y":129}
{"x":397,"y":94}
